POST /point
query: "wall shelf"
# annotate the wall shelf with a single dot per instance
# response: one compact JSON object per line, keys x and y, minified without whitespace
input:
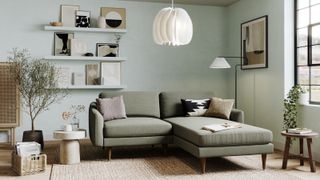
{"x":77,"y":29}
{"x":94,"y":87}
{"x":85,"y":58}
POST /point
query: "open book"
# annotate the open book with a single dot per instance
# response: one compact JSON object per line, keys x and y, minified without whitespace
{"x":221,"y":127}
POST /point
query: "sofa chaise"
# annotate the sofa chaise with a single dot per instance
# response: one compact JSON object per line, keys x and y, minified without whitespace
{"x":158,"y":118}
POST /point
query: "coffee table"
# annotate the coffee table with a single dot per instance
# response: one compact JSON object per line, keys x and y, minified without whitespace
{"x":69,"y":146}
{"x":286,"y":155}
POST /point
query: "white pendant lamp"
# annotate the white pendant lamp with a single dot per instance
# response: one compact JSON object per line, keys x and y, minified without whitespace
{"x":172,"y":26}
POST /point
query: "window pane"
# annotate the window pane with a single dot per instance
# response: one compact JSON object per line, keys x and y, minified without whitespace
{"x":315,"y":14}
{"x":303,"y":75}
{"x":303,"y":3}
{"x":302,"y":37}
{"x":315,"y":54}
{"x":315,"y":34}
{"x":315,"y":93}
{"x":313,"y":2}
{"x":302,"y":56}
{"x":303,"y":18}
{"x":315,"y":75}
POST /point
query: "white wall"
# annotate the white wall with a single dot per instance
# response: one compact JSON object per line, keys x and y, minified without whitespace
{"x":149,"y":67}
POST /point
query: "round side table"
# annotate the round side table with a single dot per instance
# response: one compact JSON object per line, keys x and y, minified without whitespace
{"x":286,"y":155}
{"x":69,"y":146}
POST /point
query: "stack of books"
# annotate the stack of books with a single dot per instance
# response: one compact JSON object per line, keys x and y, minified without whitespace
{"x":299,"y":131}
{"x":25,"y":149}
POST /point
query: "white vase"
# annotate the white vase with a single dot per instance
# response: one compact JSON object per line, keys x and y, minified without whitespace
{"x":67,"y":127}
{"x":101,"y":22}
{"x":304,"y":99}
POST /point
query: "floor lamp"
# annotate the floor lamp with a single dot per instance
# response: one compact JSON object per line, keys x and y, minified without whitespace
{"x":221,"y":63}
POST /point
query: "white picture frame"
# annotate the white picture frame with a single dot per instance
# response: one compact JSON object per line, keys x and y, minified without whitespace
{"x":68,"y":15}
{"x":78,"y":47}
{"x":110,"y":73}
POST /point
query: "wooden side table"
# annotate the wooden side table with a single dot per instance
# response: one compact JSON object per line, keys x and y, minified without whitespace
{"x":69,"y":146}
{"x":286,"y":155}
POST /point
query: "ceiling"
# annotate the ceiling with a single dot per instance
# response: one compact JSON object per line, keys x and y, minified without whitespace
{"x":195,"y":2}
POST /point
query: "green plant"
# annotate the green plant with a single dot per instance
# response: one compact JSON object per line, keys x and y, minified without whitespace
{"x":37,"y":81}
{"x":290,"y":107}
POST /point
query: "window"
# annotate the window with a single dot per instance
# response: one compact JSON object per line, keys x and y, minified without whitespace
{"x":307,"y":45}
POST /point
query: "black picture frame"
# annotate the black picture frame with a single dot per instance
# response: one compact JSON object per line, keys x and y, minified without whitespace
{"x":254,"y":43}
{"x":82,"y":19}
{"x":112,"y":53}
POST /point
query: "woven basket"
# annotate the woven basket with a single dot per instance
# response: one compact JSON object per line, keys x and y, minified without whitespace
{"x":28,"y":165}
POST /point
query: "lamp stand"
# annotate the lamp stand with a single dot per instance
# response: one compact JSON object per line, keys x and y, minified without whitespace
{"x":236,"y":84}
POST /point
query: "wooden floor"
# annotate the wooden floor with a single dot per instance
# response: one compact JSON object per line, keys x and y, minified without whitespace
{"x":6,"y":173}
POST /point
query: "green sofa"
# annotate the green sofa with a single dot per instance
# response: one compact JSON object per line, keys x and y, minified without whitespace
{"x":158,"y":118}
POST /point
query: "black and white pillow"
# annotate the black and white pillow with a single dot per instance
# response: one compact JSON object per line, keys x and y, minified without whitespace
{"x":195,"y":107}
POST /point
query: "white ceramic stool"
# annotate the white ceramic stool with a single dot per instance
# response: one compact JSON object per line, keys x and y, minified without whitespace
{"x":69,"y":146}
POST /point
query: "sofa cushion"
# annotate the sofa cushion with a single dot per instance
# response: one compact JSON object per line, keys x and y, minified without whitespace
{"x":137,"y":104}
{"x":170,"y":102}
{"x":195,"y":107}
{"x":112,"y":108}
{"x":136,"y":127}
{"x":189,"y":128}
{"x":220,"y":108}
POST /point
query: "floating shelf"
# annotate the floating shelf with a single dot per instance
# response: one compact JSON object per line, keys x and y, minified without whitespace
{"x":95,"y":87}
{"x":85,"y":58}
{"x":77,"y":29}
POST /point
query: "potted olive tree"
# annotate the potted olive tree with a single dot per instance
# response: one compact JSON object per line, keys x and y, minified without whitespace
{"x":37,"y":81}
{"x":290,"y":115}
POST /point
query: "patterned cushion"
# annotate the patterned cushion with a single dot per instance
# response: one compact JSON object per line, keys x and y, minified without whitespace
{"x":112,"y":108}
{"x":220,"y":108}
{"x":193,"y":107}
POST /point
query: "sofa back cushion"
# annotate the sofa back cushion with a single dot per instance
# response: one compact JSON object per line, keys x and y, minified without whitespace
{"x":145,"y":104}
{"x":170,"y":102}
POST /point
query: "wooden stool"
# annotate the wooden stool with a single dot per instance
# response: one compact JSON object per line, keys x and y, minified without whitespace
{"x":286,"y":155}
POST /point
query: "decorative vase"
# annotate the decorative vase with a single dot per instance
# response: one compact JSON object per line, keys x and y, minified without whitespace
{"x":101,"y":22}
{"x":304,"y":99}
{"x":35,"y":135}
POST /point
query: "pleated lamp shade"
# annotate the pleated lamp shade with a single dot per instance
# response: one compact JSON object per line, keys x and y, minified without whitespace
{"x":173,"y":27}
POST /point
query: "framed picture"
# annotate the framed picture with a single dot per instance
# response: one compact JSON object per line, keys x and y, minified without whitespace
{"x":78,"y":47}
{"x":68,"y":15}
{"x":115,"y":17}
{"x":107,"y":50}
{"x":92,"y":74}
{"x":254,"y":43}
{"x":110,"y":73}
{"x":83,"y":19}
{"x":62,"y":43}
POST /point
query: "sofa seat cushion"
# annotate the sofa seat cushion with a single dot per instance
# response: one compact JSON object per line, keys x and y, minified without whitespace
{"x":189,"y":128}
{"x":136,"y":127}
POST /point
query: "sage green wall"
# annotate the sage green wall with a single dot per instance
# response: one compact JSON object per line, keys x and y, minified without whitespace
{"x":149,"y":67}
{"x":261,"y":91}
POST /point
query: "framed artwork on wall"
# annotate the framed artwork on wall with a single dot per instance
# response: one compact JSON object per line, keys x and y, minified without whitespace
{"x":107,"y":50}
{"x":83,"y":19}
{"x":92,"y":74}
{"x":114,"y":17}
{"x":110,"y":73}
{"x":254,"y":43}
{"x":62,"y":43}
{"x":68,"y":15}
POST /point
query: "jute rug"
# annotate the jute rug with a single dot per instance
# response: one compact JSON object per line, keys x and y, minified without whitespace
{"x":149,"y":163}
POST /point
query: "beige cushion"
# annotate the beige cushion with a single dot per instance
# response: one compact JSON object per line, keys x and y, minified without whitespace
{"x":112,"y":108}
{"x":220,"y":108}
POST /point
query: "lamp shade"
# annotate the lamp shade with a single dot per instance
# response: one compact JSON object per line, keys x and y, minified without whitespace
{"x":220,"y":63}
{"x":172,"y":26}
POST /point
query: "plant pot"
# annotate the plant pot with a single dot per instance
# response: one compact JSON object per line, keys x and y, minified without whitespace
{"x":33,"y":136}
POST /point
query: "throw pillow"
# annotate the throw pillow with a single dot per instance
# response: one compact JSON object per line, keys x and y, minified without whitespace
{"x":194,"y":107}
{"x":220,"y":108}
{"x":112,"y":108}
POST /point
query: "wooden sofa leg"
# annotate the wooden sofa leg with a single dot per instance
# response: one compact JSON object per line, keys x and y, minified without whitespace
{"x":109,"y":149}
{"x":203,"y":165}
{"x":165,"y":148}
{"x":264,"y":160}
